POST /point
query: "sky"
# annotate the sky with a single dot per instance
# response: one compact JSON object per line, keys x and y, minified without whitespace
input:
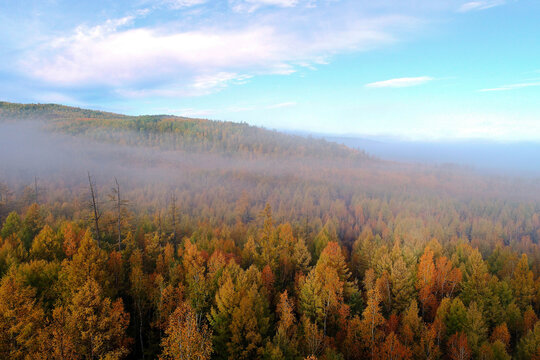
{"x":414,"y":69}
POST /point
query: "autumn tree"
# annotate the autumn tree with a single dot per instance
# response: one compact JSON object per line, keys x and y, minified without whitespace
{"x":285,"y":344}
{"x":393,"y":349}
{"x":21,"y":320}
{"x":458,"y":348}
{"x":186,"y":338}
{"x":97,"y":326}
{"x":240,"y":317}
{"x":372,"y":321}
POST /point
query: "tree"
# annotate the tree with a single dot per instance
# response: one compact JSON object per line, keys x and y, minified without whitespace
{"x":456,"y":318}
{"x":12,"y":225}
{"x":372,"y":321}
{"x":138,"y":288}
{"x":57,"y":340}
{"x":97,"y":325}
{"x":94,"y":203}
{"x":186,"y":338}
{"x":90,"y":262}
{"x":321,"y":295}
{"x":46,"y":245}
{"x":120,"y":208}
{"x":197,"y":289}
{"x":426,"y":281}
{"x":523,"y":283}
{"x":20,"y":320}
{"x":301,"y":256}
{"x":458,"y":347}
{"x":285,"y":342}
{"x":411,"y":324}
{"x":31,"y":225}
{"x":313,"y":338}
{"x":475,"y":328}
{"x":501,"y":333}
{"x":529,"y":346}
{"x":393,"y":349}
{"x":402,"y":280}
{"x":447,"y":278}
{"x":476,"y":277}
{"x":240,"y":317}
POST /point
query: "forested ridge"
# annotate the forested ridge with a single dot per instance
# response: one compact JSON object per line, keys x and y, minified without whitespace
{"x":175,"y":238}
{"x":172,"y":132}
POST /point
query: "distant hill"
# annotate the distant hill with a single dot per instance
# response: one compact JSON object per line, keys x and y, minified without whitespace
{"x":174,"y":132}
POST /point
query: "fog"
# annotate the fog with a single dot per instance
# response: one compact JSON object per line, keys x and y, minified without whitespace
{"x":505,"y":158}
{"x":61,"y":162}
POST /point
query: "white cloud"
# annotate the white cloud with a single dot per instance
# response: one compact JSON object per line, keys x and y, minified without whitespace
{"x":511,"y":87}
{"x":480,"y":5}
{"x":219,"y":80}
{"x":252,"y":5}
{"x":400,"y":82}
{"x":179,"y":4}
{"x":117,"y":55}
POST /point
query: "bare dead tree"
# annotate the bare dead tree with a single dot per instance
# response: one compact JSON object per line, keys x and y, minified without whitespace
{"x":37,"y":190}
{"x":4,"y":200}
{"x":173,"y":215}
{"x":95,"y":207}
{"x":4,"y":193}
{"x":120,"y":205}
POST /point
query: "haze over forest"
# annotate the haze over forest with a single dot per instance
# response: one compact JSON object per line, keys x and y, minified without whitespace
{"x":269,"y":179}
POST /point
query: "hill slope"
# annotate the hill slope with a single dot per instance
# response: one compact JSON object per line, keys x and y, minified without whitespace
{"x":173,"y":132}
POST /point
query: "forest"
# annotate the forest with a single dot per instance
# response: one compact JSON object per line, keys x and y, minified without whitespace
{"x":162,"y":237}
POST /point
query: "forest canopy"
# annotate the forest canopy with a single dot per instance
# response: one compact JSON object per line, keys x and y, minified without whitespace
{"x":175,"y":238}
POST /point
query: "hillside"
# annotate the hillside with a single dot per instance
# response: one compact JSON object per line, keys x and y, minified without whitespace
{"x":173,"y":132}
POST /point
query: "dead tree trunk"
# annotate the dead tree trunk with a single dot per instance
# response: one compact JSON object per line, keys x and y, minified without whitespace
{"x":119,"y":214}
{"x":95,"y":208}
{"x":173,"y":216}
{"x":36,"y":190}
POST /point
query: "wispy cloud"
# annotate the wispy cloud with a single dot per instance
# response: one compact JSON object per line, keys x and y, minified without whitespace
{"x":400,"y":82}
{"x":119,"y":55}
{"x":252,"y":5}
{"x":480,"y":5}
{"x":512,"y":87}
{"x":178,"y":4}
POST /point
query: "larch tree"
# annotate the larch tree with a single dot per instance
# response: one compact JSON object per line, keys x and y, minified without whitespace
{"x":186,"y":338}
{"x":372,"y":322}
{"x":458,"y":348}
{"x":97,"y":324}
{"x":523,"y":283}
{"x":21,"y":320}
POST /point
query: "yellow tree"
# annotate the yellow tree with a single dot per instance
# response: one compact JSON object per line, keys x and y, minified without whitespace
{"x":240,"y":317}
{"x":426,"y":281}
{"x":185,"y":337}
{"x":96,"y":324}
{"x":46,"y":245}
{"x":20,"y":320}
{"x":523,"y":283}
{"x":372,"y":321}
{"x":285,"y":342}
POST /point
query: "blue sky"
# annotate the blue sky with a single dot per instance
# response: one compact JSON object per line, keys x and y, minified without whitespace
{"x":417,"y":69}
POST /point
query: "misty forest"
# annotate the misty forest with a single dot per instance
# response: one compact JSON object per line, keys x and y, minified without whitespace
{"x":162,"y":237}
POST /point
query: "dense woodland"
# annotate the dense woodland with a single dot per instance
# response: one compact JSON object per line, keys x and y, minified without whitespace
{"x":174,"y":238}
